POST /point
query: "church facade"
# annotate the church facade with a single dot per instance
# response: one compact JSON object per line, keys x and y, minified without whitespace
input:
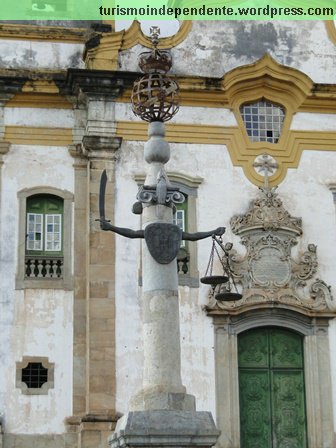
{"x":253,"y":148}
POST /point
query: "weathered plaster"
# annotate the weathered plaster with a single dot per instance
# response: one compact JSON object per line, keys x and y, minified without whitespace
{"x":313,"y":122}
{"x":211,"y":50}
{"x":15,"y":116}
{"x":35,"y":322}
{"x":186,"y":115}
{"x":30,"y":54}
{"x":224,"y":193}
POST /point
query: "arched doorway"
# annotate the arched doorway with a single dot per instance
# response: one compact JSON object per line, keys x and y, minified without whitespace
{"x":271,"y":389}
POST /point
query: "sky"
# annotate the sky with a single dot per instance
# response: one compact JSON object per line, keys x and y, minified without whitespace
{"x":167,"y":27}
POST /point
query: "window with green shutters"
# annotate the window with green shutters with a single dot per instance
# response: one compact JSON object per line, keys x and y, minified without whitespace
{"x":180,"y":218}
{"x":271,"y":389}
{"x":44,"y":237}
{"x":44,"y":225}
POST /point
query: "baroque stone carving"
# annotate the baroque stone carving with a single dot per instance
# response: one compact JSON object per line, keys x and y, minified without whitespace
{"x":268,"y":275}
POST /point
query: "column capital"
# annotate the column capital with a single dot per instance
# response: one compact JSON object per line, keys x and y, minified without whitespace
{"x":4,"y":147}
{"x":95,"y":146}
{"x":80,"y":158}
{"x":98,"y":84}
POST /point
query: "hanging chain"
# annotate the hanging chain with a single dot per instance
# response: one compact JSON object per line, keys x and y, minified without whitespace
{"x":211,"y":259}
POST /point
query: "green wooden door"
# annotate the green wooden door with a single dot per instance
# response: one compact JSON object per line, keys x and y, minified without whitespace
{"x":271,"y":389}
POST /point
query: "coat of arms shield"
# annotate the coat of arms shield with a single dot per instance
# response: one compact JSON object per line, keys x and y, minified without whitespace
{"x":163,"y":241}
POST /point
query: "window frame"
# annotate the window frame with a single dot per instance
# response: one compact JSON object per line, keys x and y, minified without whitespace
{"x":315,"y":333}
{"x":257,"y":104}
{"x":66,"y":281}
{"x":43,"y":390}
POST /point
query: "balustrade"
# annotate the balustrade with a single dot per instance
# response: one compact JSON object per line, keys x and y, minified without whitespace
{"x":43,"y":267}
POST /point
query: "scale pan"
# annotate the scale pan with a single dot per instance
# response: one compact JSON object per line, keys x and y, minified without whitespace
{"x":228,"y":296}
{"x":214,"y":279}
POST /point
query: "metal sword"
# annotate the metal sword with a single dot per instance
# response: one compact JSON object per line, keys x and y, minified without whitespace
{"x":102,"y":190}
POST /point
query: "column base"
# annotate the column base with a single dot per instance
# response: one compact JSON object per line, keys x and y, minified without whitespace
{"x":164,"y":428}
{"x":154,"y":399}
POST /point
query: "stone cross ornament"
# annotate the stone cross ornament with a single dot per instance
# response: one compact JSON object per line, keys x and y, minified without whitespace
{"x":163,"y":239}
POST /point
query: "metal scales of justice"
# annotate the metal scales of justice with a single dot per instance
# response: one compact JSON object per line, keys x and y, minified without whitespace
{"x":223,"y":285}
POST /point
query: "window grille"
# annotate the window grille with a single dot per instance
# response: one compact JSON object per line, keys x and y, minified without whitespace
{"x":263,"y":121}
{"x":34,"y":375}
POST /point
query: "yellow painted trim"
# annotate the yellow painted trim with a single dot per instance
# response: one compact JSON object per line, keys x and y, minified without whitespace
{"x":40,"y":86}
{"x":39,"y":100}
{"x":266,"y":77}
{"x":40,"y":94}
{"x":105,"y":55}
{"x":43,"y":33}
{"x":331,"y":30}
{"x":29,"y":135}
{"x":242,"y":151}
{"x":134,"y":36}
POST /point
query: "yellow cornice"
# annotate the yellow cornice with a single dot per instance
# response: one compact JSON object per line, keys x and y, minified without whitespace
{"x":38,"y":136}
{"x":262,"y":79}
{"x":40,"y":86}
{"x":241,"y":150}
{"x":39,"y":100}
{"x":267,"y":78}
{"x":43,"y":33}
{"x":331,"y":30}
{"x":105,"y":55}
{"x":39,"y":94}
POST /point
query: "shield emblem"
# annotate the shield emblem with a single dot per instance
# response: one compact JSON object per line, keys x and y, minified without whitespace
{"x":163,"y":241}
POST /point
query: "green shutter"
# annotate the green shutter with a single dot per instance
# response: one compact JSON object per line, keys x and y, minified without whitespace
{"x":48,"y":210}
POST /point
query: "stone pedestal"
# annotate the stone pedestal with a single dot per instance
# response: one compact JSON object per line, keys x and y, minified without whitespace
{"x":164,"y":428}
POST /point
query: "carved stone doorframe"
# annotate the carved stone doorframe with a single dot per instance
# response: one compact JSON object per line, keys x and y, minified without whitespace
{"x":278,"y":290}
{"x":317,"y":371}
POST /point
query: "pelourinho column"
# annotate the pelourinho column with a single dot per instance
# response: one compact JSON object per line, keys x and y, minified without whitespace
{"x":162,"y":384}
{"x":161,"y":413}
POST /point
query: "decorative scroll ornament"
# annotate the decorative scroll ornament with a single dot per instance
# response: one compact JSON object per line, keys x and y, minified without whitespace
{"x":266,"y":213}
{"x":161,"y":194}
{"x":268,"y":275}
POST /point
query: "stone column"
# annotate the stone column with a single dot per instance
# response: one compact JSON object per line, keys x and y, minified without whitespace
{"x":101,"y":274}
{"x":162,"y":413}
{"x":162,"y":384}
{"x":80,"y":275}
{"x":95,"y":149}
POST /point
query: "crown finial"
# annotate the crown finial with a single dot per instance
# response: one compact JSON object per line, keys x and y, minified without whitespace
{"x":155,"y":95}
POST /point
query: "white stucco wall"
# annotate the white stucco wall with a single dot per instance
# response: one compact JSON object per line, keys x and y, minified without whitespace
{"x":34,"y":322}
{"x":33,"y":54}
{"x":15,"y":116}
{"x":224,"y":192}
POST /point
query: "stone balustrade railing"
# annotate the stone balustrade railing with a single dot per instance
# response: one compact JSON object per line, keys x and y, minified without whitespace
{"x":43,"y":267}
